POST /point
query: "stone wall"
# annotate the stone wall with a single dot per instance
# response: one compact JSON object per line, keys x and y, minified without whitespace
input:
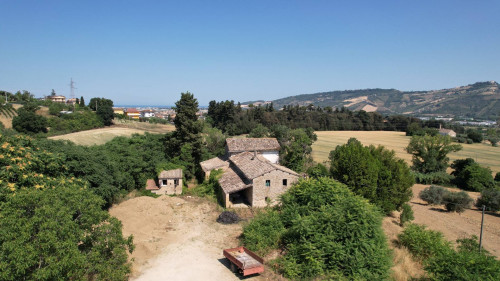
{"x":261,"y":192}
{"x":170,"y":187}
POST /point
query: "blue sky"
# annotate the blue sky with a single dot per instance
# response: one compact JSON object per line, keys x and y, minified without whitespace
{"x":148,"y":52}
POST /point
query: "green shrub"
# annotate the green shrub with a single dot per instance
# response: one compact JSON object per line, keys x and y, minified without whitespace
{"x":318,"y":171}
{"x":144,"y":192}
{"x":433,"y":195}
{"x":469,"y":175}
{"x":325,"y":224}
{"x":457,"y":201}
{"x":442,"y":262}
{"x":497,"y":177}
{"x":423,"y":243}
{"x":432,"y":178}
{"x":264,"y":232}
{"x":406,"y":215}
{"x":467,"y":263}
{"x":489,"y":198}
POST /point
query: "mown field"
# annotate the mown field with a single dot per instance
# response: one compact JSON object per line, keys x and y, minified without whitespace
{"x":123,"y":128}
{"x":483,"y":153}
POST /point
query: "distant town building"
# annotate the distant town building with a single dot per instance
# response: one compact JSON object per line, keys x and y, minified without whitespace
{"x":447,"y":132}
{"x":147,"y":113}
{"x":71,"y":101}
{"x":118,"y":110}
{"x":61,"y":99}
{"x":133,"y":113}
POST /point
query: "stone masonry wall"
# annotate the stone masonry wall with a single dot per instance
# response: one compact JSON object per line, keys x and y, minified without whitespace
{"x":272,"y":192}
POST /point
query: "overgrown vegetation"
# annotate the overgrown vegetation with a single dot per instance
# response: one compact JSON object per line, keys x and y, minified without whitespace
{"x":442,"y":262}
{"x":52,"y":225}
{"x":433,"y":195}
{"x":324,"y":230}
{"x":374,"y":173}
{"x":469,"y":175}
{"x":490,"y":198}
{"x":406,"y":214}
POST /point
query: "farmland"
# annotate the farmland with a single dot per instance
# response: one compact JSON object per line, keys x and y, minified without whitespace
{"x":122,"y":128}
{"x":483,"y":153}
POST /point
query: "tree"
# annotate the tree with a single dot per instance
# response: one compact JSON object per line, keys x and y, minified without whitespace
{"x":29,"y":123}
{"x":95,"y":103}
{"x":475,"y":136}
{"x":82,"y":101}
{"x":61,"y":233}
{"x":53,"y":93}
{"x":469,"y":175}
{"x":105,"y":112}
{"x":372,"y":172}
{"x":430,"y":153}
{"x":259,"y":132}
{"x":490,"y":198}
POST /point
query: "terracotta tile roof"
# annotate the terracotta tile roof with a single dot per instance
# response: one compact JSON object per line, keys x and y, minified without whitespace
{"x":151,"y":185}
{"x":250,"y":165}
{"x":214,"y":163}
{"x":132,"y":110}
{"x":171,"y":174}
{"x":252,"y":144}
{"x":230,"y":182}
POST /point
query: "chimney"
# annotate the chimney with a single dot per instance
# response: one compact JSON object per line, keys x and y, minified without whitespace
{"x":254,"y":154}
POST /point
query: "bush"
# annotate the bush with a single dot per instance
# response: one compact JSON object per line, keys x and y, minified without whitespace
{"x":469,"y":175}
{"x":29,"y":123}
{"x":264,"y":232}
{"x":442,"y":262}
{"x":432,"y":178}
{"x":475,"y":136}
{"x":490,"y":198}
{"x":374,"y":173}
{"x":406,"y":215}
{"x":423,"y":243}
{"x":322,"y":226}
{"x":457,"y":201}
{"x":318,"y":171}
{"x":433,"y":195}
{"x":497,"y":177}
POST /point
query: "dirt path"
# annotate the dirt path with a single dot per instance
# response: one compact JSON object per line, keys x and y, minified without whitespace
{"x":455,"y":226}
{"x":177,"y":238}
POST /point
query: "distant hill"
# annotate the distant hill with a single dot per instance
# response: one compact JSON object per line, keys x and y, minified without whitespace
{"x":481,"y":99}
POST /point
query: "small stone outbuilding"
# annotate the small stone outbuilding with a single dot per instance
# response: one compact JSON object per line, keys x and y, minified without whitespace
{"x":169,"y":182}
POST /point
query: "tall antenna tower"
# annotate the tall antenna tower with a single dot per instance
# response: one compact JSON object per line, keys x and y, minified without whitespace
{"x":72,"y":87}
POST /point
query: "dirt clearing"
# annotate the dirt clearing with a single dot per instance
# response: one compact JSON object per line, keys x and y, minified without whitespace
{"x":177,"y":238}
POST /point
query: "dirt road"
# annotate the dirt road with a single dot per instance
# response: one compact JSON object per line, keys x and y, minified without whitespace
{"x":177,"y":238}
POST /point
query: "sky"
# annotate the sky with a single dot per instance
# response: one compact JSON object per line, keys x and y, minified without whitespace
{"x":149,"y":52}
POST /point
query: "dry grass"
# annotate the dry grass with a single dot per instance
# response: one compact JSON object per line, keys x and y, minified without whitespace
{"x":123,"y":129}
{"x":483,"y":153}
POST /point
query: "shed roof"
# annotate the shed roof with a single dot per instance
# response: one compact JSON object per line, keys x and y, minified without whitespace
{"x":171,"y":174}
{"x":151,"y":185}
{"x":252,"y":144}
{"x":214,"y":163}
{"x":230,"y":182}
{"x":446,"y":131}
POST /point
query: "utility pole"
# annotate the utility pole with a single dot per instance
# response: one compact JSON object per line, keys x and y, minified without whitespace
{"x":481,"y":234}
{"x":72,"y":88}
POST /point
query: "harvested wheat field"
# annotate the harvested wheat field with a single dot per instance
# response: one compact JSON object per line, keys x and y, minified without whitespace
{"x":455,"y":226}
{"x":103,"y":135}
{"x":178,"y":238}
{"x":483,"y":153}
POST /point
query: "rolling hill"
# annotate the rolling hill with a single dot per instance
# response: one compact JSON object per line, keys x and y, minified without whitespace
{"x":480,"y":99}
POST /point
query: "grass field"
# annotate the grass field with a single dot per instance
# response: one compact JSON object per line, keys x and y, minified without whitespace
{"x":103,"y":135}
{"x":484,"y":154}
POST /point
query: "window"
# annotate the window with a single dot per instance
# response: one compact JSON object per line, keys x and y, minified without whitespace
{"x":268,"y":183}
{"x":285,"y":182}
{"x":164,"y":182}
{"x":176,"y":182}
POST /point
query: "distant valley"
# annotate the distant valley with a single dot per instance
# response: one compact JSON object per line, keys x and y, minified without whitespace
{"x":480,"y":100}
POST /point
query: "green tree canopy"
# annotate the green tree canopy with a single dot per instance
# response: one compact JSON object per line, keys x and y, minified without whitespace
{"x":29,"y":122}
{"x":469,"y":175}
{"x":60,"y":233}
{"x":430,"y":153}
{"x":372,"y":172}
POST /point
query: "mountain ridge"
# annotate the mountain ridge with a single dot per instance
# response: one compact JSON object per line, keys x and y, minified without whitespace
{"x":481,"y":99}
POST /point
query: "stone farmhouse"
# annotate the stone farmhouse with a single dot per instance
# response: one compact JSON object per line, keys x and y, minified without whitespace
{"x":169,"y":182}
{"x":447,"y":132}
{"x":251,"y":174}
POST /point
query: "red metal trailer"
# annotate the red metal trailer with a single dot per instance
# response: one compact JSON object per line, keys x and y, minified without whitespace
{"x":245,"y":260}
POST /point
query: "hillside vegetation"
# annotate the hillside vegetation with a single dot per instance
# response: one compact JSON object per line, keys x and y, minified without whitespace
{"x":481,"y":99}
